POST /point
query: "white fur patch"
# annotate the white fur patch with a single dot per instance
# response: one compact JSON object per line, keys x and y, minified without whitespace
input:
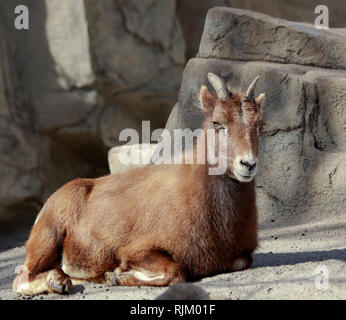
{"x":33,"y":287}
{"x":143,"y":276}
{"x":37,"y":218}
{"x":75,"y":271}
{"x":40,"y":215}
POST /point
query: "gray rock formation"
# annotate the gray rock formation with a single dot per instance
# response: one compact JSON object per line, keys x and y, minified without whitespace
{"x":82,"y":72}
{"x":192,"y":14}
{"x":245,"y":35}
{"x":138,"y":54}
{"x":302,"y":145}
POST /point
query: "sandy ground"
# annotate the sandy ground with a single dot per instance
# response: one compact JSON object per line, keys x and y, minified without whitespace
{"x":305,"y":261}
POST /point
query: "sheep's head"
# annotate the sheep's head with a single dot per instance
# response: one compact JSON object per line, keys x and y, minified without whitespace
{"x":240,"y":114}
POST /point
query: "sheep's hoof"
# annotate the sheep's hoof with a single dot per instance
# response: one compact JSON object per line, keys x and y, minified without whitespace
{"x":113,"y":278}
{"x":109,"y":278}
{"x":58,"y":282}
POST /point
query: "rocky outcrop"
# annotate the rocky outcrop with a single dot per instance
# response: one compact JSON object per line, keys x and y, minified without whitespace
{"x":138,"y":54}
{"x":237,"y":34}
{"x":302,"y":146}
{"x":192,"y":14}
{"x":83,"y":71}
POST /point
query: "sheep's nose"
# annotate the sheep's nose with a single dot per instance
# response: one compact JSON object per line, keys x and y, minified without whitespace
{"x":249,"y":164}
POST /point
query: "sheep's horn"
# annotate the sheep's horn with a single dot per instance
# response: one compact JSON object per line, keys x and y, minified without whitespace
{"x":250,"y":91}
{"x":219,"y":86}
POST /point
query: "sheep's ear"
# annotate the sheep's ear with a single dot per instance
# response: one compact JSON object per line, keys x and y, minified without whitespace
{"x":207,"y":100}
{"x":260,"y":101}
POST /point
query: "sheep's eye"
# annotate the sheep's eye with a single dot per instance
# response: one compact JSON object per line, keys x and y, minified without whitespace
{"x":218,"y":125}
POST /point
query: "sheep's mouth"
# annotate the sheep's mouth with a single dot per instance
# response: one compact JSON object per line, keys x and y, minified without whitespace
{"x":243,"y":178}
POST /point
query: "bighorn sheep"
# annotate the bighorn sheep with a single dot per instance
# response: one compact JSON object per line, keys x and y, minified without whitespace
{"x":156,"y":225}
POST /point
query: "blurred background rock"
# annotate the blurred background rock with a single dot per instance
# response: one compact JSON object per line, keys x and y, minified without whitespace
{"x":192,"y":14}
{"x":84,"y":71}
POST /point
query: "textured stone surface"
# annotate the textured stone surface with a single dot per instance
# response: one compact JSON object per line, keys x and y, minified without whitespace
{"x":192,"y":14}
{"x":246,"y":35}
{"x":139,"y":65}
{"x":69,"y":29}
{"x":83,"y":71}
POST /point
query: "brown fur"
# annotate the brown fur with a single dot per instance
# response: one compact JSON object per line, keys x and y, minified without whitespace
{"x":172,"y":222}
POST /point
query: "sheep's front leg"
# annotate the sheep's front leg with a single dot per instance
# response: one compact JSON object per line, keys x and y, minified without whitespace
{"x":53,"y":281}
{"x":148,"y":268}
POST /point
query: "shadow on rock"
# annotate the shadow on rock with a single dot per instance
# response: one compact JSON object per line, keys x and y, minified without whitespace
{"x":291,"y":258}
